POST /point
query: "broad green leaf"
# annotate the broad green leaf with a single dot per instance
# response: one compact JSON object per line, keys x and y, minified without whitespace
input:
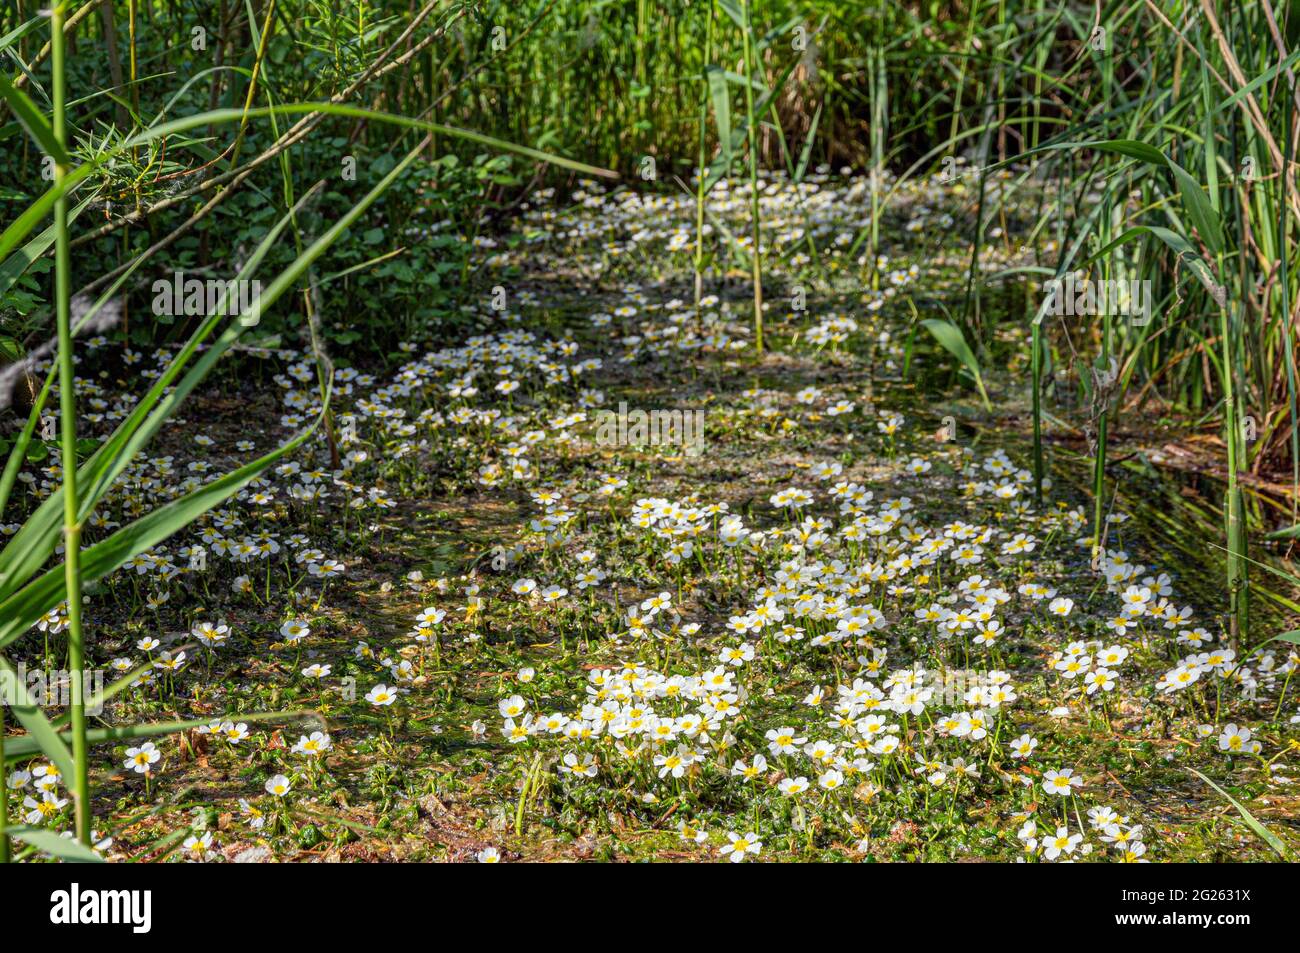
{"x":17,"y":264}
{"x":1198,"y":206}
{"x":56,"y":845}
{"x":1202,"y":213}
{"x":33,"y":120}
{"x":1187,"y":254}
{"x":41,"y":733}
{"x":951,"y":339}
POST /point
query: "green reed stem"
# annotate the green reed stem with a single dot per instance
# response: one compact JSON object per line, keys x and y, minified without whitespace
{"x":80,"y":782}
{"x":756,"y":258}
{"x":4,"y":795}
{"x":700,"y":157}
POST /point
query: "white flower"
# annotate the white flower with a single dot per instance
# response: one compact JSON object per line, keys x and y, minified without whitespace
{"x":512,"y":707}
{"x":198,"y":847}
{"x":1061,"y":606}
{"x":793,"y":785}
{"x":313,"y":745}
{"x":142,"y":759}
{"x":1061,"y":782}
{"x":1102,"y":679}
{"x":1234,"y":739}
{"x":1062,"y":843}
{"x":295,"y":630}
{"x":740,"y":845}
{"x":831,"y":780}
{"x":1023,"y":746}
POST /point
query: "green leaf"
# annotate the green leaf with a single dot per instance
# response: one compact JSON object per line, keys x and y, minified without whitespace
{"x":1197,"y":203}
{"x":10,"y":38}
{"x":17,"y":264}
{"x":24,"y":746}
{"x":42,"y":734}
{"x":33,"y":120}
{"x":806,"y":153}
{"x":732,"y":9}
{"x":36,"y":212}
{"x":950,"y":337}
{"x":21,"y":611}
{"x":1293,"y":637}
{"x":721,"y":99}
{"x":1199,"y":208}
{"x":63,"y":848}
{"x":1187,"y":254}
{"x":1252,"y":822}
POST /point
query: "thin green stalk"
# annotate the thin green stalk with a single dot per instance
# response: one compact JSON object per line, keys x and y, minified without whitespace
{"x":1037,"y":98}
{"x":526,"y":789}
{"x":961,"y":75}
{"x":252,"y":81}
{"x":1101,"y":402}
{"x":1233,"y":505}
{"x":4,"y":795}
{"x":1286,"y":319}
{"x":80,"y":782}
{"x":1233,"y":412}
{"x":1103,"y":386}
{"x":1036,"y":368}
{"x":18,"y":452}
{"x":876,"y":61}
{"x":699,"y":185}
{"x":756,"y":258}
